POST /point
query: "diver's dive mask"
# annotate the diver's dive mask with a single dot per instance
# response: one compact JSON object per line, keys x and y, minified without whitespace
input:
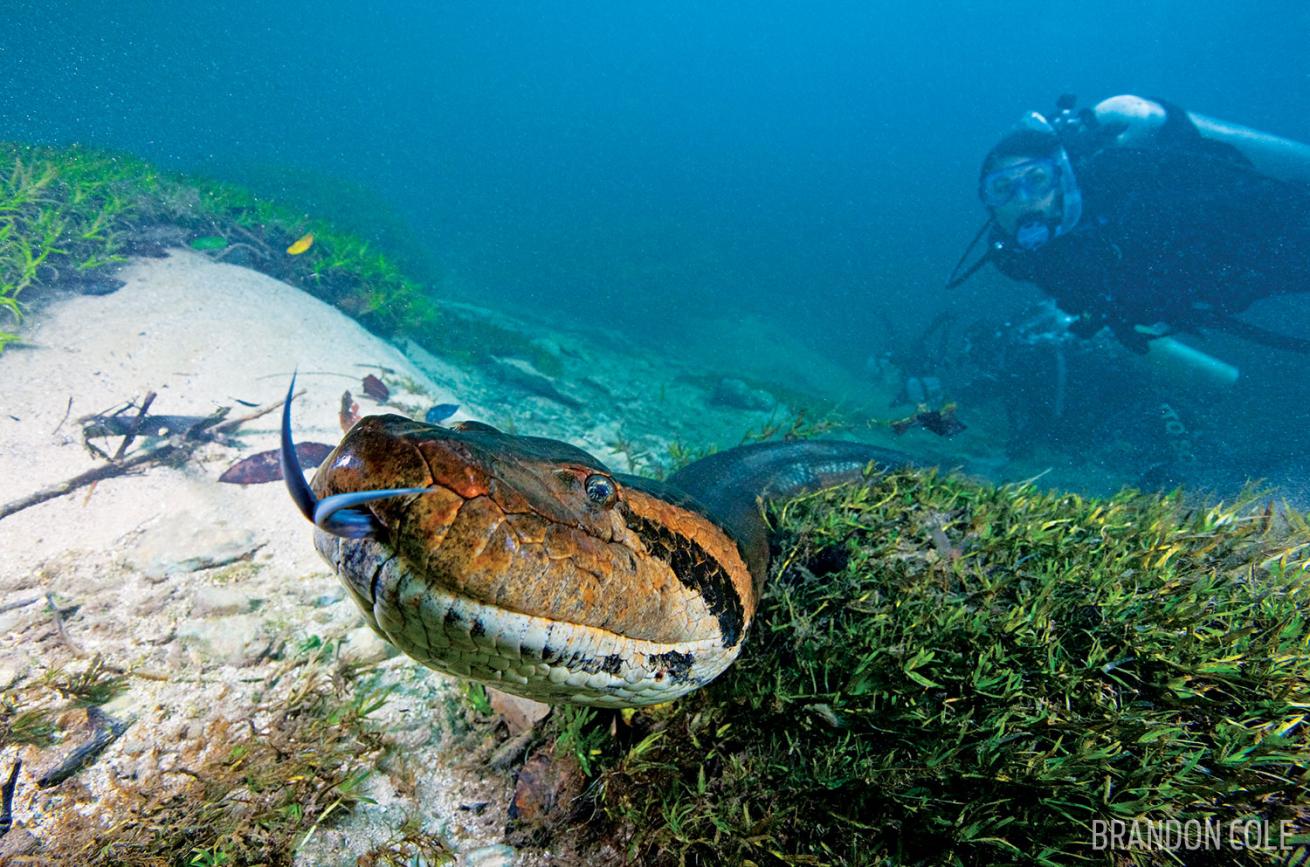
{"x":1034,"y":179}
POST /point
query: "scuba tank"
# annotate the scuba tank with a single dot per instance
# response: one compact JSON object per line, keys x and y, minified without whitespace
{"x":1177,"y":363}
{"x":1269,"y":154}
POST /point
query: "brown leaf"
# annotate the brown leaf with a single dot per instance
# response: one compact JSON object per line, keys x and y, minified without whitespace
{"x":264,"y":467}
{"x":349,"y":412}
{"x":374,"y":388}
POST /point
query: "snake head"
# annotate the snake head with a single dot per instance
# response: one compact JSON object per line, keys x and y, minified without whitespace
{"x":525,"y":563}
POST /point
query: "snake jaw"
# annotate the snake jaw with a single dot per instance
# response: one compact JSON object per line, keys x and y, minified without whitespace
{"x":519,"y":565}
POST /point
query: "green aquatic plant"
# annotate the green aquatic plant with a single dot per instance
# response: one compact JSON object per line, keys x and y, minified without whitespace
{"x":475,"y":694}
{"x":73,"y":211}
{"x":19,"y":725}
{"x":800,"y":427}
{"x":408,"y":847}
{"x":577,"y":734}
{"x":96,"y":683}
{"x":256,"y":789}
{"x":944,"y":672}
{"x":211,"y":857}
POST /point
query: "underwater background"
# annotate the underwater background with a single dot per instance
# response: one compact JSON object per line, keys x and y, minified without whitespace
{"x":651,"y":231}
{"x":656,"y":169}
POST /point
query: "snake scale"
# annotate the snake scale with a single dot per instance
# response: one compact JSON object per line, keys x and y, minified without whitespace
{"x":525,"y":563}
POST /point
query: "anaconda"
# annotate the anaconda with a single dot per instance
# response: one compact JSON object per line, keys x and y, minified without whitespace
{"x":525,"y":563}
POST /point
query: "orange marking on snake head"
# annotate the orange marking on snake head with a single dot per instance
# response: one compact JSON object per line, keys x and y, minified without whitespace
{"x":509,"y":522}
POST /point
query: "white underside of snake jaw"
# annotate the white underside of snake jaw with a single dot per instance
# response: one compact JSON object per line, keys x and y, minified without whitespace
{"x":527,"y":655}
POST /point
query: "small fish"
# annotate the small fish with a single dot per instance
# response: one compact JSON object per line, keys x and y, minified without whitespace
{"x":349,"y":412}
{"x":302,"y":244}
{"x":939,"y":421}
{"x":208,"y":242}
{"x":265,"y":467}
{"x":374,"y":388}
{"x":440,"y":413}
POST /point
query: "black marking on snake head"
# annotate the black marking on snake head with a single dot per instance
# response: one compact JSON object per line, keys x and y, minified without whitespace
{"x":453,"y":617}
{"x":678,"y":665}
{"x":478,"y":629}
{"x":697,"y":570}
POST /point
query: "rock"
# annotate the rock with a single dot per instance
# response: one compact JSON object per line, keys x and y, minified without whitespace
{"x":13,"y":668}
{"x":17,"y":843}
{"x":17,"y":612}
{"x":546,"y":346}
{"x":498,"y":855}
{"x":519,"y":714}
{"x":597,"y":385}
{"x":325,"y":599}
{"x":237,"y":640}
{"x":737,"y":394}
{"x":93,"y":285}
{"x":187,"y":542}
{"x":219,"y":602}
{"x":521,"y":374}
{"x":8,"y":676}
{"x":546,"y":795}
{"x":363,"y":646}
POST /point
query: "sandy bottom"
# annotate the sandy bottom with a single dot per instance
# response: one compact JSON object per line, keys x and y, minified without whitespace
{"x":198,"y":588}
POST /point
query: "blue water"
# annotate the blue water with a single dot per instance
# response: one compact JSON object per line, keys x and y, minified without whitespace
{"x":633,"y":164}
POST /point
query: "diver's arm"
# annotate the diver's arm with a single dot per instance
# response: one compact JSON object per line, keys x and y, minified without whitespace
{"x":1128,"y":336}
{"x":1091,"y":322}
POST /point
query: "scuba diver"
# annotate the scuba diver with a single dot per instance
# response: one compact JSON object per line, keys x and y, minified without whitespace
{"x":1148,"y":220}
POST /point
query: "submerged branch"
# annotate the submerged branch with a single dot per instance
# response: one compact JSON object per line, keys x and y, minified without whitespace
{"x":176,"y":448}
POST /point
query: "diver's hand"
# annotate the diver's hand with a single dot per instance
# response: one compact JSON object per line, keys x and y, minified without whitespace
{"x":1130,"y":337}
{"x":1086,"y":325}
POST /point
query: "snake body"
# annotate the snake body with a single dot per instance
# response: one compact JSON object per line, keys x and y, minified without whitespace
{"x":525,"y":563}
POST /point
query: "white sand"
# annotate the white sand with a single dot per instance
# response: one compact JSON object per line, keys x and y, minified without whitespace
{"x":200,"y":334}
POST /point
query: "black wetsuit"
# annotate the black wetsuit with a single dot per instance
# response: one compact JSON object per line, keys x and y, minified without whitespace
{"x":1183,"y":232}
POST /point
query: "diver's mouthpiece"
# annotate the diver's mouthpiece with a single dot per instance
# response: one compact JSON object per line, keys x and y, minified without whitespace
{"x":1032,"y":235}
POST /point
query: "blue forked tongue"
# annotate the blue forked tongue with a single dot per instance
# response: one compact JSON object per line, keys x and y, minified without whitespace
{"x":335,"y":514}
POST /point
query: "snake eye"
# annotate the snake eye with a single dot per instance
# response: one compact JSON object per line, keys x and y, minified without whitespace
{"x":600,"y":490}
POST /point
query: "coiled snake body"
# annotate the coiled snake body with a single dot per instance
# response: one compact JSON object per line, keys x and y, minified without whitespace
{"x":525,"y":563}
